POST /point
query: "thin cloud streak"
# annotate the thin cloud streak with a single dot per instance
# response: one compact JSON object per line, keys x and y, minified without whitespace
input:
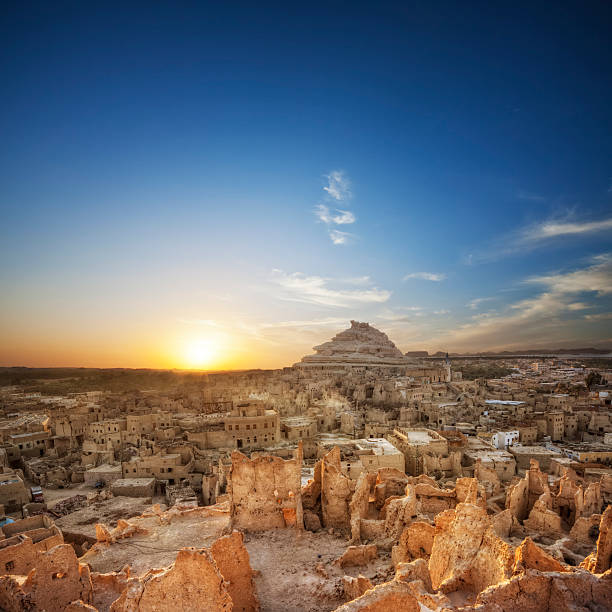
{"x":317,"y":290}
{"x":549,"y":314}
{"x":428,"y":276}
{"x":551,"y":229}
{"x":477,"y":301}
{"x":537,"y":236}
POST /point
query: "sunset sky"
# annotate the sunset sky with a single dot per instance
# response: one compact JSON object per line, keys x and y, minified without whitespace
{"x":225,"y":185}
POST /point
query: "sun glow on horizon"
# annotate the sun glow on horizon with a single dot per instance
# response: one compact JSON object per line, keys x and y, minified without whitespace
{"x":200,"y":353}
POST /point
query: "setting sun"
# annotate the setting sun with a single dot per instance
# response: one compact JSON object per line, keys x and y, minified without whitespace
{"x":200,"y":353}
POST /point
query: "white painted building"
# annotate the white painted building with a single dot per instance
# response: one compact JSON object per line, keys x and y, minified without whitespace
{"x":504,"y":439}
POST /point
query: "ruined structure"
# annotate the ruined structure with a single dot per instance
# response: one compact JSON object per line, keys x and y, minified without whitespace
{"x":358,"y":479}
{"x":360,"y":346}
{"x":266,"y":492}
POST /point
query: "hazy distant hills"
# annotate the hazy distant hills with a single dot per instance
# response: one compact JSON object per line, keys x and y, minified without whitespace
{"x":561,"y":351}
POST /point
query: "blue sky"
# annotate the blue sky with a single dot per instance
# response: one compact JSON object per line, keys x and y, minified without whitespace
{"x":253,"y":176}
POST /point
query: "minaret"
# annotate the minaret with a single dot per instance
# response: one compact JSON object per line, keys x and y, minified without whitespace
{"x":447,"y":368}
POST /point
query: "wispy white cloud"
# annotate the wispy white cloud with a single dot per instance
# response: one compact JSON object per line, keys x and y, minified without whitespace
{"x":538,"y":235}
{"x":338,"y":189}
{"x":338,"y":237}
{"x":339,"y":217}
{"x":338,"y":186}
{"x":549,"y":317}
{"x":578,"y":306}
{"x":319,"y":290}
{"x":323,"y":213}
{"x":392,"y":314}
{"x":429,"y":276}
{"x":477,"y":301}
{"x":323,"y":322}
{"x":597,"y":278}
{"x":343,"y":217}
{"x":441,"y":312}
{"x":552,"y":229}
{"x":602,"y":316}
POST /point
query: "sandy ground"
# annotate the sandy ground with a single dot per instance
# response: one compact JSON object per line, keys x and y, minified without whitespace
{"x":287,"y":579}
{"x":158,"y":547}
{"x":52,"y":496}
{"x":84,"y":521}
{"x":293,"y":571}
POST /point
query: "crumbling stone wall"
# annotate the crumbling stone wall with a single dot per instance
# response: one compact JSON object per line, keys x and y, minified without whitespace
{"x":336,"y":492}
{"x":415,"y":542}
{"x":233,"y":562}
{"x":360,"y":503}
{"x":601,"y":560}
{"x":266,"y":492}
{"x":57,"y":580}
{"x":522,"y":496}
{"x":192,"y":582}
{"x":466,"y":553}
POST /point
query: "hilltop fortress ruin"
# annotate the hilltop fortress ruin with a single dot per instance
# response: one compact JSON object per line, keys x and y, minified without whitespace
{"x":361,"y":346}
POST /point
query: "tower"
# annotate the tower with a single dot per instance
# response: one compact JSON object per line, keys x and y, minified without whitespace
{"x":447,"y":369}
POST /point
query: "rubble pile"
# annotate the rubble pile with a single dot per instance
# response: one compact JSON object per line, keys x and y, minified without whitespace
{"x":68,"y":505}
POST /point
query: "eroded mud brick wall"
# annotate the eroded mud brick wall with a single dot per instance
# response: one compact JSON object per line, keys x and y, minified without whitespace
{"x":266,"y":492}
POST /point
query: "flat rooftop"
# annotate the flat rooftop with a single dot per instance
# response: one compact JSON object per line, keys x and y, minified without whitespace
{"x":531,"y":450}
{"x":379,"y":446}
{"x":297,"y":421}
{"x":419,"y":436}
{"x":105,"y":468}
{"x":29,"y":434}
{"x":9,"y":481}
{"x":133,"y":482}
{"x":329,"y":439}
{"x":490,"y":454}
